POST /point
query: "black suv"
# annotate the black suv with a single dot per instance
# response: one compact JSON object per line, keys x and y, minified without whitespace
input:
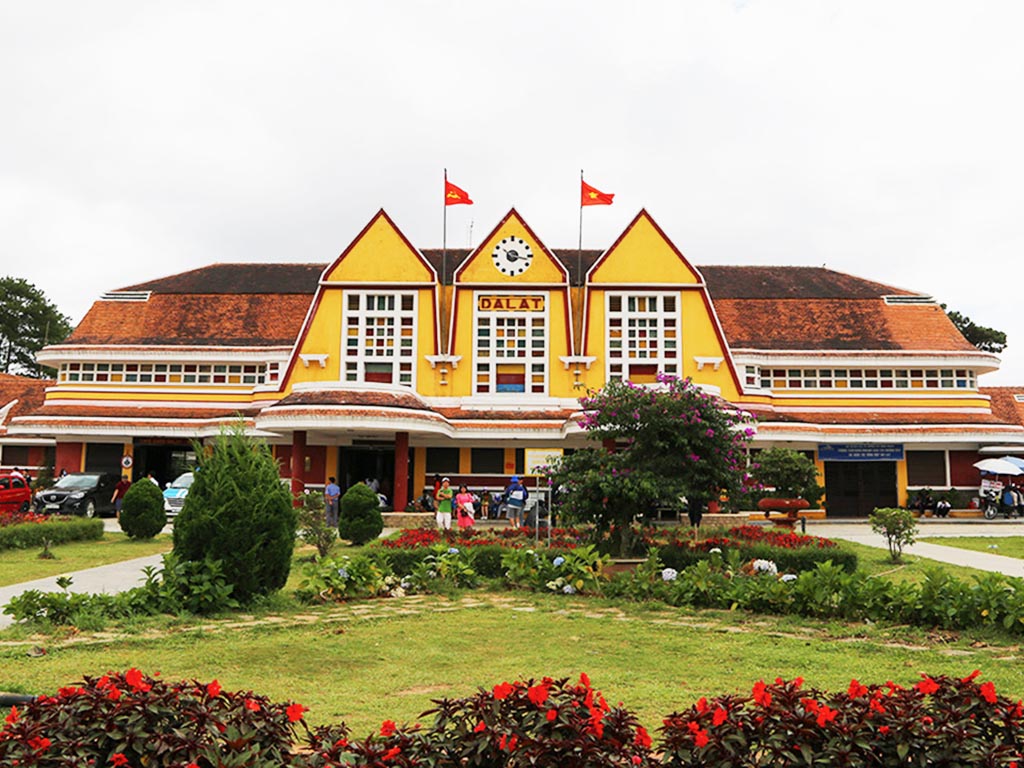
{"x":79,"y":493}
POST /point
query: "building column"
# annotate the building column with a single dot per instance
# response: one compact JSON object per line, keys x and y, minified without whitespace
{"x":298,"y":464}
{"x":401,"y":485}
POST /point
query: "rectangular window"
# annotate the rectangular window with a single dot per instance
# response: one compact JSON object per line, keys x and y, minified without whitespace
{"x":487,"y":461}
{"x":511,"y":344}
{"x":643,"y":337}
{"x":378,"y":338}
{"x":169,"y":373}
{"x":926,"y":468}
{"x":442,"y":461}
{"x":861,"y":378}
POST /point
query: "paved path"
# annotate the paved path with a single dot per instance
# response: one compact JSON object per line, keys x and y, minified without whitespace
{"x":118,"y":577}
{"x":860,"y":532}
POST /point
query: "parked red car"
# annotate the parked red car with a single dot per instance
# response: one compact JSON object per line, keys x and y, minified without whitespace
{"x":15,"y":495}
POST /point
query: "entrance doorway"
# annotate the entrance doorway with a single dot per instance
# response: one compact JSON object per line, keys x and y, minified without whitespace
{"x":166,"y":462}
{"x":362,"y":462}
{"x":856,"y":488}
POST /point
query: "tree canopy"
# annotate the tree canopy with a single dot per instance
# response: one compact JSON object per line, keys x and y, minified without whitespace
{"x":985,"y":339}
{"x":28,"y":322}
{"x":671,"y":440}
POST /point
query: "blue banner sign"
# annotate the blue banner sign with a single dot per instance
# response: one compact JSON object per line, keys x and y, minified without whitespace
{"x":861,"y":452}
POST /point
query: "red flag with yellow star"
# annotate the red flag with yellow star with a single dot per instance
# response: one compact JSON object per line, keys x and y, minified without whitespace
{"x":455,"y":196}
{"x":591,"y":196}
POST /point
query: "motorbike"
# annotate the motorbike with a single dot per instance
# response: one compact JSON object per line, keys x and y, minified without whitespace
{"x":992,"y":505}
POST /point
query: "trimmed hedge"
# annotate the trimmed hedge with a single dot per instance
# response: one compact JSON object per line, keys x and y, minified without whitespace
{"x":486,"y":558}
{"x":59,"y":530}
{"x":787,"y":560}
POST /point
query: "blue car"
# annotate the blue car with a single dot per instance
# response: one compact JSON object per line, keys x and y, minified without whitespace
{"x":175,"y":493}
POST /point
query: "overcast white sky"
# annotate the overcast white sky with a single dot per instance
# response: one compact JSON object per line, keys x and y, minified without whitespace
{"x":878,"y":138}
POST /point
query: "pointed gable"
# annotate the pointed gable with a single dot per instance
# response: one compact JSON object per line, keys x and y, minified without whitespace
{"x":644,"y":254}
{"x":484,"y":265}
{"x":378,"y":254}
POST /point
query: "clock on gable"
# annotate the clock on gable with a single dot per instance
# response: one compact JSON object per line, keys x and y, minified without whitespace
{"x":512,"y":256}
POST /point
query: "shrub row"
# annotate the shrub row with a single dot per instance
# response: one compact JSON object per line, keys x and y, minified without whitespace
{"x":56,"y":530}
{"x":134,"y":720}
{"x":992,"y":600}
{"x":179,"y":586}
{"x":680,"y":556}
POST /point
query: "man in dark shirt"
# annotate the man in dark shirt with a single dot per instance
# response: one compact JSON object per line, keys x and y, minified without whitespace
{"x":119,"y":491}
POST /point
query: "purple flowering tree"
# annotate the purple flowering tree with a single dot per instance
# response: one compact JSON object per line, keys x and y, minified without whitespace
{"x":671,"y":440}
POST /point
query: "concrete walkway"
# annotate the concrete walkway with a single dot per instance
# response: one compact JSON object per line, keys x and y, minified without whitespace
{"x":119,"y":577}
{"x":860,"y":532}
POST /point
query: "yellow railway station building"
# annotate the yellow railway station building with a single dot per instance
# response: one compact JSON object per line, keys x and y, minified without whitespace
{"x":397,"y":363}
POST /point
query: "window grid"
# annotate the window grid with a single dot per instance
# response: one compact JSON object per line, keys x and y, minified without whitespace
{"x":511,"y":352}
{"x":860,"y":378}
{"x":642,"y":336}
{"x":380,"y":338}
{"x":216,"y":374}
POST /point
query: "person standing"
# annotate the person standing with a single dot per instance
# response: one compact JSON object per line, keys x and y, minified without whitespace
{"x":464,"y":507}
{"x":332,"y":495}
{"x":515,"y":501}
{"x":153,"y":480}
{"x":444,"y":505}
{"x":119,"y":491}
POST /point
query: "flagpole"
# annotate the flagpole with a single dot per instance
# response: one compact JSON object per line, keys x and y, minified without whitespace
{"x":444,"y":231}
{"x":579,"y":251}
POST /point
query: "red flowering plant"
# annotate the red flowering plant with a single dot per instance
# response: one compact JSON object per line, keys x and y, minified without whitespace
{"x":545,"y":722}
{"x":939,"y":721}
{"x":18,"y":517}
{"x":533,"y":723}
{"x":135,"y":720}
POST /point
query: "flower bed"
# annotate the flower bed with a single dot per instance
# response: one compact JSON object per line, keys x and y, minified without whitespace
{"x":413,"y":538}
{"x":17,"y":517}
{"x":792,"y":552}
{"x":135,"y":720}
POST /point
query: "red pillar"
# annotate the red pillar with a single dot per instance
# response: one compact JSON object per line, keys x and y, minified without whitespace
{"x":401,"y":486}
{"x":298,"y":463}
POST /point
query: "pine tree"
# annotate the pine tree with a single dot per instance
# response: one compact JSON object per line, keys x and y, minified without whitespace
{"x":239,"y":512}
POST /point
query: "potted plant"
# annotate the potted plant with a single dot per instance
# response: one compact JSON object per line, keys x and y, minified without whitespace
{"x":789,"y":483}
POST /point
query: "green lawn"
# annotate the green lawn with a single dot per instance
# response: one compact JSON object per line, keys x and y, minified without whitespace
{"x":17,"y":565}
{"x":365,"y":662}
{"x":1010,"y":546}
{"x":876,"y":562}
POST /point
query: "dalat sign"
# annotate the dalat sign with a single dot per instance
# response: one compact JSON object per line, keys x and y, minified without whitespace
{"x":510,"y":303}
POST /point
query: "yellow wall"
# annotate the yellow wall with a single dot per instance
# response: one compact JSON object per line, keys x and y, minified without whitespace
{"x":644,"y":259}
{"x":643,"y":255}
{"x":379,"y":255}
{"x":480,"y":266}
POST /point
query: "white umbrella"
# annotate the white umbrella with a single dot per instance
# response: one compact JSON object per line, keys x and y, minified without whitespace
{"x":1014,"y":460}
{"x":999,"y":467}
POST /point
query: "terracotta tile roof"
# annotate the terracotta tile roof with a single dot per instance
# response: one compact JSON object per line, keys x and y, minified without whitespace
{"x":1005,"y":406}
{"x":124,"y":412}
{"x":457,"y":414}
{"x":759,"y":307}
{"x":839,"y":324}
{"x":29,"y":393}
{"x":882,"y":418}
{"x":238,"y":278}
{"x":274,"y":418}
{"x":408,"y":400}
{"x":791,"y":283}
{"x":234,"y":319}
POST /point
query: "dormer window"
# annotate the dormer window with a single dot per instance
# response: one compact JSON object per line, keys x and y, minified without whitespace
{"x":379,"y":338}
{"x":642,"y":336}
